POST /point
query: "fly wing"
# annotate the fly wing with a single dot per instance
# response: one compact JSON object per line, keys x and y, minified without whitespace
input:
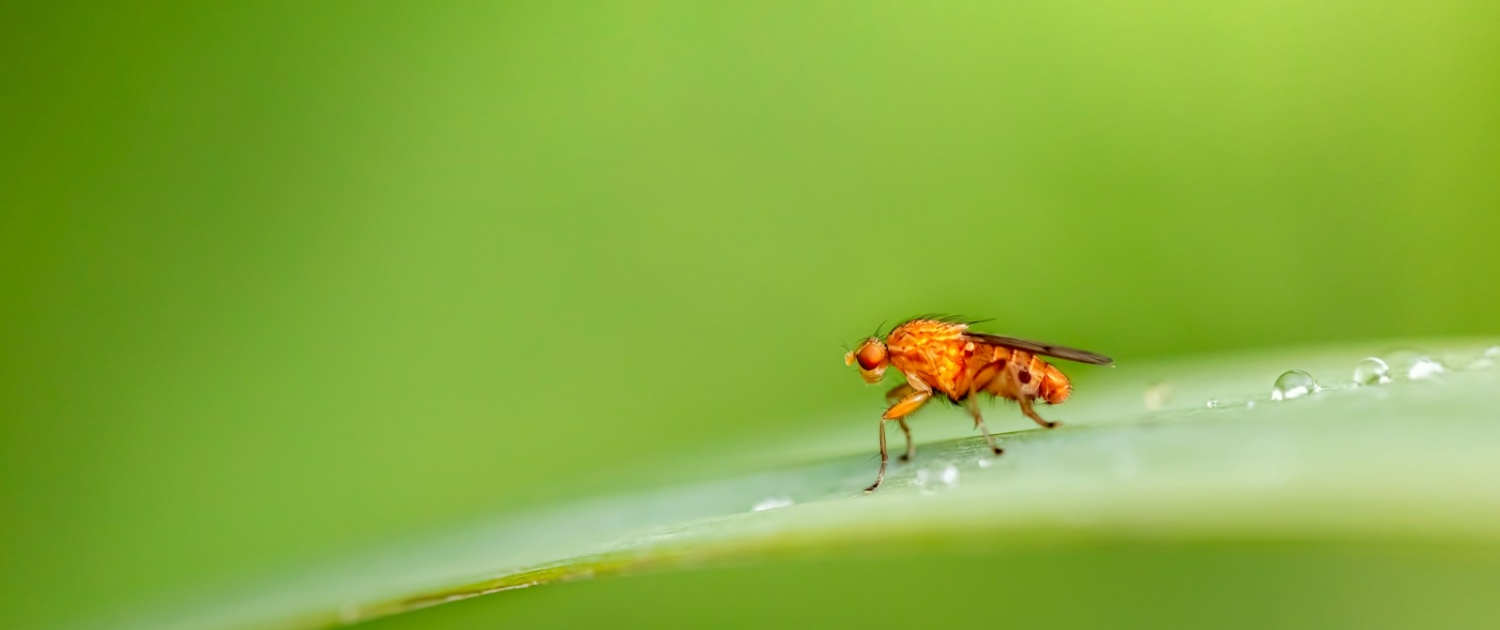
{"x":1061,"y":352}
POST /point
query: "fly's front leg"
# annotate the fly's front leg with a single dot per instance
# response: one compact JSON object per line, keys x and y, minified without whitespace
{"x":897,"y":393}
{"x":892,"y":397}
{"x":884,"y":458}
{"x":973,"y":406}
{"x":1027,"y":409}
{"x":907,"y":406}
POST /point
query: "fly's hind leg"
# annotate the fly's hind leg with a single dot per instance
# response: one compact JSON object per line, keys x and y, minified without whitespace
{"x":1026,"y":408}
{"x":973,"y":405}
{"x":1010,"y":388}
{"x":892,"y":397}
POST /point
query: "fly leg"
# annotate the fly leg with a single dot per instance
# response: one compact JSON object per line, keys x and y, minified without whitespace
{"x":973,"y":406}
{"x":987,"y":378}
{"x":1009,"y":388}
{"x":907,"y":406}
{"x":1027,"y":409}
{"x":895,"y":395}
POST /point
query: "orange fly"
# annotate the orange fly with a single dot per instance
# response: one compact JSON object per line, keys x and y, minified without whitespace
{"x":940,"y":356}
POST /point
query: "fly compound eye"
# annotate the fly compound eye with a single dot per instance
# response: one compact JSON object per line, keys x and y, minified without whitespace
{"x":871,"y":355}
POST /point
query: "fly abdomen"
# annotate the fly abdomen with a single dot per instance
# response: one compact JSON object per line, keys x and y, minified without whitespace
{"x":1036,"y":378}
{"x":1052,"y":385}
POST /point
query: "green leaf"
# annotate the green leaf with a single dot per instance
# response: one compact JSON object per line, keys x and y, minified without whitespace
{"x":1187,"y":451}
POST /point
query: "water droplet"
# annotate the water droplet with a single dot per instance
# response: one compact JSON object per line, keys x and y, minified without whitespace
{"x":921,"y":478}
{"x":950,"y":476}
{"x":771,"y":503}
{"x":1372,"y":371}
{"x":1414,"y":365}
{"x":1490,"y":357}
{"x":986,"y":462}
{"x":1157,"y":396}
{"x":1424,"y":368}
{"x":1293,"y":384}
{"x":1213,"y":403}
{"x":1250,"y":404}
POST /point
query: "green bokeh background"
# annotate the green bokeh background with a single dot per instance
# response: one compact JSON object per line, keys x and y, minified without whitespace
{"x":279,"y":281}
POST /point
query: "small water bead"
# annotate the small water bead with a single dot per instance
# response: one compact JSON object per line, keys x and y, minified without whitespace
{"x":1213,"y":403}
{"x":1157,"y":396}
{"x":771,"y":504}
{"x":1414,"y":365}
{"x":1372,"y":371}
{"x":950,"y":476}
{"x":1490,"y":357}
{"x":1424,"y":368}
{"x":1293,"y":384}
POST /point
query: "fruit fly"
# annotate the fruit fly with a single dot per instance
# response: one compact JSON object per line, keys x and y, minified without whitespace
{"x":940,"y":356}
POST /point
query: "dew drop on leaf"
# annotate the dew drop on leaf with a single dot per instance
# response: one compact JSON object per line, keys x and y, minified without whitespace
{"x":1293,"y":384}
{"x":1413,"y":364}
{"x":1424,"y":368}
{"x":1157,"y":396}
{"x":771,"y":504}
{"x":1372,"y":371}
{"x":1490,"y":357}
{"x":920,"y":480}
{"x":950,"y":476}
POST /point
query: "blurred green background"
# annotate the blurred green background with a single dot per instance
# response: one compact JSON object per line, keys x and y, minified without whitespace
{"x":282,"y":280}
